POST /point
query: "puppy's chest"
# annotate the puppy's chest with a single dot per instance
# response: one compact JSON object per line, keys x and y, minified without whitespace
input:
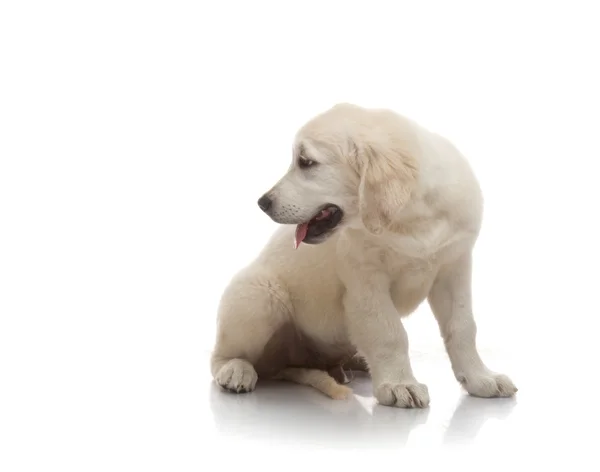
{"x":318,"y":313}
{"x":410,"y":284}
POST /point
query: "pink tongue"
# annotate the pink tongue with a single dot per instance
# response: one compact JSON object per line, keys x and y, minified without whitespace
{"x":300,"y":234}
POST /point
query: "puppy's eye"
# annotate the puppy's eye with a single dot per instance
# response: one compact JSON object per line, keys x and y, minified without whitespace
{"x":304,"y":163}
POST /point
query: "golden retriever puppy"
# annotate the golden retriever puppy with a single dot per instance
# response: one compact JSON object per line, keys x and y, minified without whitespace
{"x":378,"y":214}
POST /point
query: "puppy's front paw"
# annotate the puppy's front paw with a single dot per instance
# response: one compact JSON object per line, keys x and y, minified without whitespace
{"x":237,"y":376}
{"x":403,"y":395}
{"x":488,"y":385}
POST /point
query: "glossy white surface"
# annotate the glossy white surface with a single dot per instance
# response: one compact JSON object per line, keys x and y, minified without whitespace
{"x":541,"y":425}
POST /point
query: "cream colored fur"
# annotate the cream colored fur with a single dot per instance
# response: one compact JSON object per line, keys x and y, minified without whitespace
{"x":412,"y":213}
{"x":318,"y":379}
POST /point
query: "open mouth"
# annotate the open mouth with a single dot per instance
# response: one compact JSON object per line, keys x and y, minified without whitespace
{"x":314,"y":230}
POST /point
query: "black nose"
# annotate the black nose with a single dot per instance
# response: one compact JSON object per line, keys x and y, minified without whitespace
{"x":264,"y":203}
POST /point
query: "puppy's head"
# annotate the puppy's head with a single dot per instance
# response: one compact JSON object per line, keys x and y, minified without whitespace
{"x":350,"y":166}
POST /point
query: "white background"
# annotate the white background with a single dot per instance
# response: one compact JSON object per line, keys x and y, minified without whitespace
{"x":135,"y":139}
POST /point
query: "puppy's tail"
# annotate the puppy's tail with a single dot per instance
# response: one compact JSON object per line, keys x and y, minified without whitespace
{"x":318,"y":379}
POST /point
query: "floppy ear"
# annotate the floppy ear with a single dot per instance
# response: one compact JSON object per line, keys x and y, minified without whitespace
{"x":387,"y":179}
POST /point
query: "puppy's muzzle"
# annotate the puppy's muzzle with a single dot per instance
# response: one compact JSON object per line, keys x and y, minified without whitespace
{"x":265,"y":203}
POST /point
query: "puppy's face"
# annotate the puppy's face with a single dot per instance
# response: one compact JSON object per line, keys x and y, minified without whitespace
{"x":344,"y":171}
{"x":318,"y":192}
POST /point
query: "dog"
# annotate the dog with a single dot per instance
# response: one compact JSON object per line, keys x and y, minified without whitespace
{"x":377,"y":214}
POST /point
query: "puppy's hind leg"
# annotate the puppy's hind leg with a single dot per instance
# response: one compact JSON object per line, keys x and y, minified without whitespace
{"x":318,"y":379}
{"x":252,"y":309}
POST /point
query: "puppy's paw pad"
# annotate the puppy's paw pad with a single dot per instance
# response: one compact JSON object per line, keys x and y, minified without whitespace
{"x":405,"y":395}
{"x":488,"y":385}
{"x":237,"y":376}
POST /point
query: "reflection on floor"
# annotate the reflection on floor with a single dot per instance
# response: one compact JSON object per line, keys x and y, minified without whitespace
{"x":538,"y":421}
{"x":281,"y":411}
